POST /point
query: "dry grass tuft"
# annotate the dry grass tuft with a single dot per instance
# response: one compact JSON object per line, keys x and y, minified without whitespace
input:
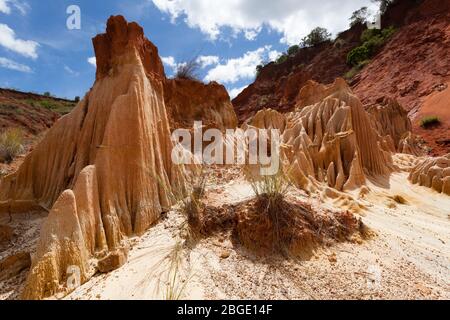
{"x":11,"y":144}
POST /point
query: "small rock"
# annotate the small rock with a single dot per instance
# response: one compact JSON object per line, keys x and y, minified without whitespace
{"x":6,"y":233}
{"x":332,"y":258}
{"x":113,"y":261}
{"x":14,"y":265}
{"x":225,"y":254}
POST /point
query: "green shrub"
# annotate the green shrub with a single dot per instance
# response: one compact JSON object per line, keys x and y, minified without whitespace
{"x":356,"y":69}
{"x":315,"y":37}
{"x":359,"y":16}
{"x":282,"y":58}
{"x":357,"y":55}
{"x":430,"y":121}
{"x":369,"y":34}
{"x":259,"y":68}
{"x":372,"y":40}
{"x":11,"y":144}
{"x":292,"y":51}
{"x":47,"y":104}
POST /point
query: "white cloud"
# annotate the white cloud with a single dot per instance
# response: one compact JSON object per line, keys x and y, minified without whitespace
{"x":170,"y":62}
{"x":92,"y":61}
{"x":71,"y":71}
{"x":4,"y":7}
{"x":8,"y":40}
{"x":21,"y":6}
{"x":206,"y":61}
{"x":236,"y":91}
{"x":274,"y":55}
{"x":234,"y":70}
{"x":292,"y":18}
{"x":12,"y":65}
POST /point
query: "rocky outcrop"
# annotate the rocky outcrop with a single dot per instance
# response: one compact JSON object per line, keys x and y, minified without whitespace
{"x":104,"y":171}
{"x":189,"y":100}
{"x":278,"y":84}
{"x":14,"y":265}
{"x":6,"y":233}
{"x":433,"y":173}
{"x":411,"y":67}
{"x":393,"y":124}
{"x":329,"y":138}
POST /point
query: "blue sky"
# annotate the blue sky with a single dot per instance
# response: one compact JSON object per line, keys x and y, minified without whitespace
{"x":38,"y":53}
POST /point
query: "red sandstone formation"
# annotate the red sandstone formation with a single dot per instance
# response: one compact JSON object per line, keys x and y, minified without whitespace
{"x":411,"y":68}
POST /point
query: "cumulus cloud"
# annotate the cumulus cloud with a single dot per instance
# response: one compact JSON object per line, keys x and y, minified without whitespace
{"x":12,"y":65}
{"x":21,"y":6}
{"x":292,"y":18}
{"x":236,"y":91}
{"x":9,"y":40}
{"x":170,"y":62}
{"x":236,"y":69}
{"x":206,"y":61}
{"x":92,"y":61}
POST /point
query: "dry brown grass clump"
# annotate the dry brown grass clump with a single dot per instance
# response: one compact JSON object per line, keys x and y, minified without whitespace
{"x":11,"y":144}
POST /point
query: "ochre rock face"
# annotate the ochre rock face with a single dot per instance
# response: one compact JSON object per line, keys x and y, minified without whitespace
{"x":120,"y":36}
{"x":433,"y":173}
{"x":188,"y":101}
{"x":328,"y":138}
{"x":411,"y":68}
{"x":104,"y":171}
{"x":393,"y":124}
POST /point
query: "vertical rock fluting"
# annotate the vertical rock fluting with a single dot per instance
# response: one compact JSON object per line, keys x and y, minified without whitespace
{"x":393,"y":124}
{"x":433,"y":173}
{"x":105,"y":169}
{"x":328,"y":138}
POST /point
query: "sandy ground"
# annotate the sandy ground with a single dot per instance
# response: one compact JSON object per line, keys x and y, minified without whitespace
{"x":408,"y":259}
{"x":27,"y":229}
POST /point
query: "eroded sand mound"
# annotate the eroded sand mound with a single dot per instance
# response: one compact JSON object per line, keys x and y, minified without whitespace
{"x":433,"y":173}
{"x":330,"y":138}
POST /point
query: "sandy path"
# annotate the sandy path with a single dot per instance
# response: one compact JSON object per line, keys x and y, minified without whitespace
{"x":409,"y":259}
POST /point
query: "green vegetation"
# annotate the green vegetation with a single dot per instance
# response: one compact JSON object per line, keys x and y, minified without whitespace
{"x":283,"y":58}
{"x":59,"y":106}
{"x":259,"y":68}
{"x":11,"y":144}
{"x":359,"y":17}
{"x":372,"y":40}
{"x":293,"y":50}
{"x":356,"y":69}
{"x":315,"y":37}
{"x":47,"y":94}
{"x":429,"y":122}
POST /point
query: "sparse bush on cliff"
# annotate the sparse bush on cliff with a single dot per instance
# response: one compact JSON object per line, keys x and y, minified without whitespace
{"x":259,"y":68}
{"x":293,"y":50}
{"x":315,"y":37}
{"x":372,"y":40}
{"x":429,"y":122}
{"x":282,"y":58}
{"x":358,"y":55}
{"x":11,"y":144}
{"x":356,"y":69}
{"x":188,"y":70}
{"x":359,"y":16}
